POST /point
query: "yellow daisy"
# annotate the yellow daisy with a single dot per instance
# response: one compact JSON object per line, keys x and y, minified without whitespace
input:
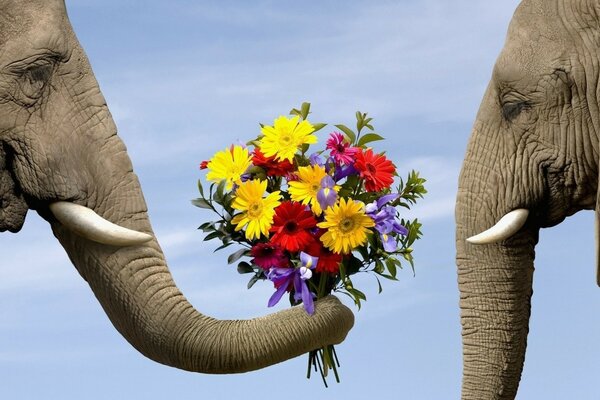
{"x":346,"y":224}
{"x":257,"y":212}
{"x":285,"y":137}
{"x":229,"y":165}
{"x":305,"y":189}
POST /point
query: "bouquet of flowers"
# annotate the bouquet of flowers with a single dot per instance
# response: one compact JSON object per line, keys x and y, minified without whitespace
{"x":309,"y":220}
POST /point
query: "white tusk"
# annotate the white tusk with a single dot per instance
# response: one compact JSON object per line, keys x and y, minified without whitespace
{"x":86,"y":223}
{"x":505,"y":228}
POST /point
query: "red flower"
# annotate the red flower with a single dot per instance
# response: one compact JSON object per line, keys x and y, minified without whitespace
{"x":273,"y":168}
{"x":291,"y":224}
{"x":329,"y":262}
{"x":375,"y":169}
{"x":267,"y":255}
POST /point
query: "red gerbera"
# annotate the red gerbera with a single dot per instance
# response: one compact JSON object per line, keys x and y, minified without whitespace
{"x":273,"y":168}
{"x":329,"y":262}
{"x":267,"y":255}
{"x":375,"y":169}
{"x":291,"y":224}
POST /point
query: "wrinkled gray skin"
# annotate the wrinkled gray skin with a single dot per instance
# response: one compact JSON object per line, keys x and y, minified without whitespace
{"x":534,"y":145}
{"x":59,"y":142}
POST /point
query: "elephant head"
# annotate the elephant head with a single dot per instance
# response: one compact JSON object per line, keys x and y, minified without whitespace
{"x":60,"y":156}
{"x":532,"y":161}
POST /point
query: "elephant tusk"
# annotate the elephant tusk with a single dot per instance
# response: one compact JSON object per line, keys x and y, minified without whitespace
{"x":86,"y":223}
{"x":505,"y":228}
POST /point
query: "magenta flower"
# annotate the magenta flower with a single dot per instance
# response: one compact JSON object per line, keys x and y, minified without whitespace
{"x":340,"y":149}
{"x":268,"y":255}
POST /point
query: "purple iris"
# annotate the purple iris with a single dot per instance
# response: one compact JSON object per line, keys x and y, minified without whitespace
{"x":339,"y":171}
{"x":344,"y":171}
{"x":283,"y":277}
{"x":316,"y":159}
{"x":327,"y":196}
{"x":385,"y":220}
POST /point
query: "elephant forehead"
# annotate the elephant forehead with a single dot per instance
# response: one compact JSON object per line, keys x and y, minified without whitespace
{"x":30,"y":25}
{"x":536,"y":44}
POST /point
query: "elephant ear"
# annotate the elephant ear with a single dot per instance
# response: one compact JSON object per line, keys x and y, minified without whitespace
{"x":13,"y":207}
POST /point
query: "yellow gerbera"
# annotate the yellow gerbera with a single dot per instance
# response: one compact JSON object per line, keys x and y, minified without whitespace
{"x":229,"y":165}
{"x":285,"y":137}
{"x":305,"y":189}
{"x":346,"y":224}
{"x":257,"y":212}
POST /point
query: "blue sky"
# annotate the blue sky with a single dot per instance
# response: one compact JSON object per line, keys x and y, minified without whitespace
{"x":183,"y":79}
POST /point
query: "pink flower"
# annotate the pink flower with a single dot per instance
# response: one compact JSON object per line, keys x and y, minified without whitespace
{"x":340,"y":149}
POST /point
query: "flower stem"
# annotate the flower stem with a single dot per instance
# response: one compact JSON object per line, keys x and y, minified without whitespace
{"x":322,"y":284}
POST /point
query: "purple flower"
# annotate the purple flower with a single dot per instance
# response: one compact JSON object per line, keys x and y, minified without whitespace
{"x":327,"y":196}
{"x":284,"y":277}
{"x":344,"y":171}
{"x":385,"y":220}
{"x":316,"y":159}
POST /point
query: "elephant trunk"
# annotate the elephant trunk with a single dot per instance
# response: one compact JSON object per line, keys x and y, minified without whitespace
{"x":495,"y":282}
{"x":137,"y":292}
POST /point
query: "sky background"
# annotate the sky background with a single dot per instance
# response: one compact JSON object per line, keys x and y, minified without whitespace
{"x":183,"y":80}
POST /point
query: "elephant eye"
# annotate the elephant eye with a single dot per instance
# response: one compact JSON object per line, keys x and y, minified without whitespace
{"x":34,"y":78}
{"x":512,"y":109}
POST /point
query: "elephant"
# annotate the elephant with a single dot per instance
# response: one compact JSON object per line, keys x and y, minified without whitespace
{"x":60,"y":156}
{"x":531,"y":161}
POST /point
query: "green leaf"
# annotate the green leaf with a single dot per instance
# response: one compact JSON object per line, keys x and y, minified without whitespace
{"x":305,"y":110}
{"x":359,"y":116}
{"x":236,"y":256}
{"x":350,"y":135}
{"x":353,"y":265}
{"x":343,"y":272}
{"x":318,"y":126}
{"x":207,"y":227}
{"x":220,"y":192}
{"x":200,"y":188}
{"x":244,"y":268}
{"x":368,"y":138}
{"x":386,"y":276}
{"x":391,"y":267}
{"x":224,"y":245}
{"x":358,"y":295}
{"x":364,"y":252}
{"x":259,"y":276}
{"x":201,"y":203}
{"x":379,"y":287}
{"x":379,"y":268}
{"x":213,"y":235}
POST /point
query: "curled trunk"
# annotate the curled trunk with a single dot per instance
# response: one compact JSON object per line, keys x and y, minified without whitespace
{"x":136,"y":289}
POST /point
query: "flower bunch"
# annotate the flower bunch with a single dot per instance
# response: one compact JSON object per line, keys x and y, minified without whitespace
{"x":309,"y":220}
